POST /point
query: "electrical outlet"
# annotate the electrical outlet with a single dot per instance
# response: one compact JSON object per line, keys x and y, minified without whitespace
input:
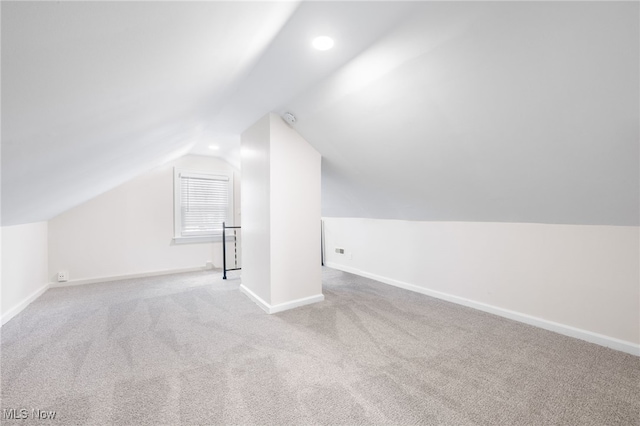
{"x":339,"y":250}
{"x":209,"y":265}
{"x":63,"y":276}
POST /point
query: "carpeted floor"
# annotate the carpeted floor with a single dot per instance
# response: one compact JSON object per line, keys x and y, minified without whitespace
{"x":191,"y":349}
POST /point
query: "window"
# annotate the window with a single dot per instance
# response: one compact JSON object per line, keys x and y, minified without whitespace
{"x":202,"y":201}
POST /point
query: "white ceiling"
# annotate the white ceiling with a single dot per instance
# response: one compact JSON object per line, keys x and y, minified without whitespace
{"x":521,"y":112}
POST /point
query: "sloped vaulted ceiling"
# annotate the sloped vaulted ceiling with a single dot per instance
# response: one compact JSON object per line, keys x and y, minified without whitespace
{"x":521,"y":112}
{"x":501,"y":112}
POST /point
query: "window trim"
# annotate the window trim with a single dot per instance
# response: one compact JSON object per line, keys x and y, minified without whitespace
{"x":177,"y":212}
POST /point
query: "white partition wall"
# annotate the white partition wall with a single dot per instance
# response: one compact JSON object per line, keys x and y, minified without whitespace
{"x":281,"y":217}
{"x":256,"y":253}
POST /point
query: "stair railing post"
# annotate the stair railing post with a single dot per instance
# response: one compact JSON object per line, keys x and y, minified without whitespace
{"x":224,"y":253}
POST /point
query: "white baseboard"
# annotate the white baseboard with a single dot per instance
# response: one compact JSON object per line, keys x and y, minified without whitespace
{"x":126,"y":276}
{"x":257,"y":299}
{"x":23,"y":304}
{"x":296,"y":303}
{"x":272,"y":309}
{"x":567,"y":330}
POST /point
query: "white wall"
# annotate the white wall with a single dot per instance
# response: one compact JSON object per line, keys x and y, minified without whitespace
{"x":281,"y":219}
{"x":129,"y":230}
{"x":256,"y":252}
{"x":575,"y":279}
{"x":24,"y":266}
{"x":295,"y":215}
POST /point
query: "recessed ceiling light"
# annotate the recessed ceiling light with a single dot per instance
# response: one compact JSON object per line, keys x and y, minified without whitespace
{"x":214,"y":147}
{"x":322,"y":43}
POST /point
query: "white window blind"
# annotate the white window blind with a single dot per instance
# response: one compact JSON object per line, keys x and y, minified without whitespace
{"x":204,"y":204}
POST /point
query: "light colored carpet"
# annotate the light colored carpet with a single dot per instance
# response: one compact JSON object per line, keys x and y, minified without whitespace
{"x":191,"y":349}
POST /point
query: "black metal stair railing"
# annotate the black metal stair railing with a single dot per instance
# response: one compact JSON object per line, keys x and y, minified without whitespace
{"x":224,"y":249}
